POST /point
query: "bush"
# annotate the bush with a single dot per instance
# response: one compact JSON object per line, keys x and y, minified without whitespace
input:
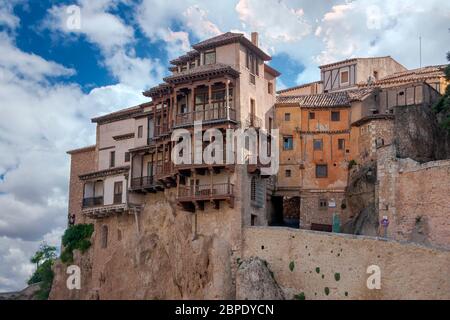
{"x":76,"y":237}
{"x":300,"y":296}
{"x":351,"y":164}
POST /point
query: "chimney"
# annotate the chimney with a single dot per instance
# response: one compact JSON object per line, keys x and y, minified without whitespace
{"x":255,"y":38}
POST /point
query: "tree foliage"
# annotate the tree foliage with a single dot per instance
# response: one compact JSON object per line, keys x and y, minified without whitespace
{"x":443,"y":105}
{"x":76,"y":237}
{"x":44,"y":259}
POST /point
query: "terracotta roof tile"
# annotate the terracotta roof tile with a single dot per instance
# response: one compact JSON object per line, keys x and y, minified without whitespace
{"x":202,"y":71}
{"x":298,"y":87}
{"x":333,"y":99}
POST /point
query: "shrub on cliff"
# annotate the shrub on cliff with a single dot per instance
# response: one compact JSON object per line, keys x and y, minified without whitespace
{"x":76,"y":237}
{"x":443,"y":105}
{"x":43,"y":258}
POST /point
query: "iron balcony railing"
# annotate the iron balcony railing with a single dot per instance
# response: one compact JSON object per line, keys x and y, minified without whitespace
{"x":164,"y":168}
{"x":92,"y":202}
{"x":206,"y":191}
{"x":142,"y":182}
{"x":215,"y":113}
{"x":117,"y":198}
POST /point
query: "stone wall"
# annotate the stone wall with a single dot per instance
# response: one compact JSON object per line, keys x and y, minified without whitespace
{"x":310,"y":262}
{"x":415,"y":198}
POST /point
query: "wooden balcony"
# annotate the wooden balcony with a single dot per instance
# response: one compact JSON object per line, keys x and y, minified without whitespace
{"x":208,"y":115}
{"x":165,"y":174}
{"x":162,"y":129}
{"x":183,"y":168}
{"x":194,"y":197}
{"x":146,"y":184}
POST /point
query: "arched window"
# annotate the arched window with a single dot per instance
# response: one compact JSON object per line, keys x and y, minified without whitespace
{"x":104,"y":237}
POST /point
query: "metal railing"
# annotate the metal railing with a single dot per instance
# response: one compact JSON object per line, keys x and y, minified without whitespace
{"x":117,"y":198}
{"x":92,"y":202}
{"x":206,"y":190}
{"x":253,"y":121}
{"x":164,"y":168}
{"x":210,"y":113}
{"x":142,"y":182}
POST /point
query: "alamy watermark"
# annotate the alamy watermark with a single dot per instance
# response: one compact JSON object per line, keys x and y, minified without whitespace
{"x":240,"y":146}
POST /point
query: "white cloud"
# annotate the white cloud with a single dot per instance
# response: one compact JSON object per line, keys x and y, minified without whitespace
{"x":114,"y":38}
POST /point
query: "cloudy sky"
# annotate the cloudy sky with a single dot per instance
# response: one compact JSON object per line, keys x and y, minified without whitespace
{"x":57,"y":72}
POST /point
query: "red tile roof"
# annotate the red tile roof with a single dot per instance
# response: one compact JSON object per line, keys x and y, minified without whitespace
{"x":333,"y":99}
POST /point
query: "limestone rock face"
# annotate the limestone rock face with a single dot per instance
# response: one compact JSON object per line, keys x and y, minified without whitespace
{"x":155,"y":257}
{"x":26,"y":294}
{"x":255,"y":282}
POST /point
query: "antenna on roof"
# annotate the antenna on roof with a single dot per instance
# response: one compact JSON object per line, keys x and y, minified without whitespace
{"x":420,"y":51}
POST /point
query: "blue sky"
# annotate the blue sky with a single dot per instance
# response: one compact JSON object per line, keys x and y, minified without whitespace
{"x":54,"y":79}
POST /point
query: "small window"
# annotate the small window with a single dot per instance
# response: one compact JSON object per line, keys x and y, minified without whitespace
{"x":335,"y":116}
{"x":312,"y":115}
{"x":127,"y":157}
{"x":375,"y":75}
{"x":112,"y":159}
{"x":288,"y":143}
{"x":323,"y":203}
{"x":321,"y":171}
{"x":318,"y":144}
{"x":140,"y":131}
{"x":270,"y":88}
{"x":118,"y":188}
{"x":287,"y":117}
{"x":341,"y":144}
{"x":287,"y":173}
{"x":210,"y":57}
{"x":344,"y":77}
{"x":253,"y":189}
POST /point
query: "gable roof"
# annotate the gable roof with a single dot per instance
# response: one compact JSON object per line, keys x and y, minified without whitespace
{"x":230,"y":37}
{"x":298,"y":87}
{"x":212,"y":70}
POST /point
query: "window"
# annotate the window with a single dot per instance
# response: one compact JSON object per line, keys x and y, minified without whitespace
{"x":321,"y":171}
{"x":318,"y":144}
{"x":344,"y":77}
{"x":270,"y":88}
{"x":287,"y":117}
{"x":210,"y":57}
{"x":288,"y":143}
{"x":312,"y":115}
{"x":140,"y":131}
{"x":253,"y":189}
{"x":287,"y":173}
{"x":335,"y":116}
{"x":375,"y":75}
{"x":112,"y":159}
{"x":127,"y":157}
{"x":341,"y":144}
{"x":104,"y":237}
{"x":323,"y":203}
{"x":252,"y":65}
{"x":118,"y":187}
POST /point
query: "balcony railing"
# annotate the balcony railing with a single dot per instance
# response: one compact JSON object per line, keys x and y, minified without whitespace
{"x":206,"y":115}
{"x":206,"y":191}
{"x":253,"y":121}
{"x":117,"y":198}
{"x":161,"y":129}
{"x":142,"y":182}
{"x":164,"y":168}
{"x":92,"y":202}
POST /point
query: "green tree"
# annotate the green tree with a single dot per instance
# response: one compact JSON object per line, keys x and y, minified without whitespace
{"x":44,"y":259}
{"x":443,"y":105}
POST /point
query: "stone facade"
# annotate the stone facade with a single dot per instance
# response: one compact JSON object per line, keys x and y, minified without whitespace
{"x":415,"y":199}
{"x":333,"y":266}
